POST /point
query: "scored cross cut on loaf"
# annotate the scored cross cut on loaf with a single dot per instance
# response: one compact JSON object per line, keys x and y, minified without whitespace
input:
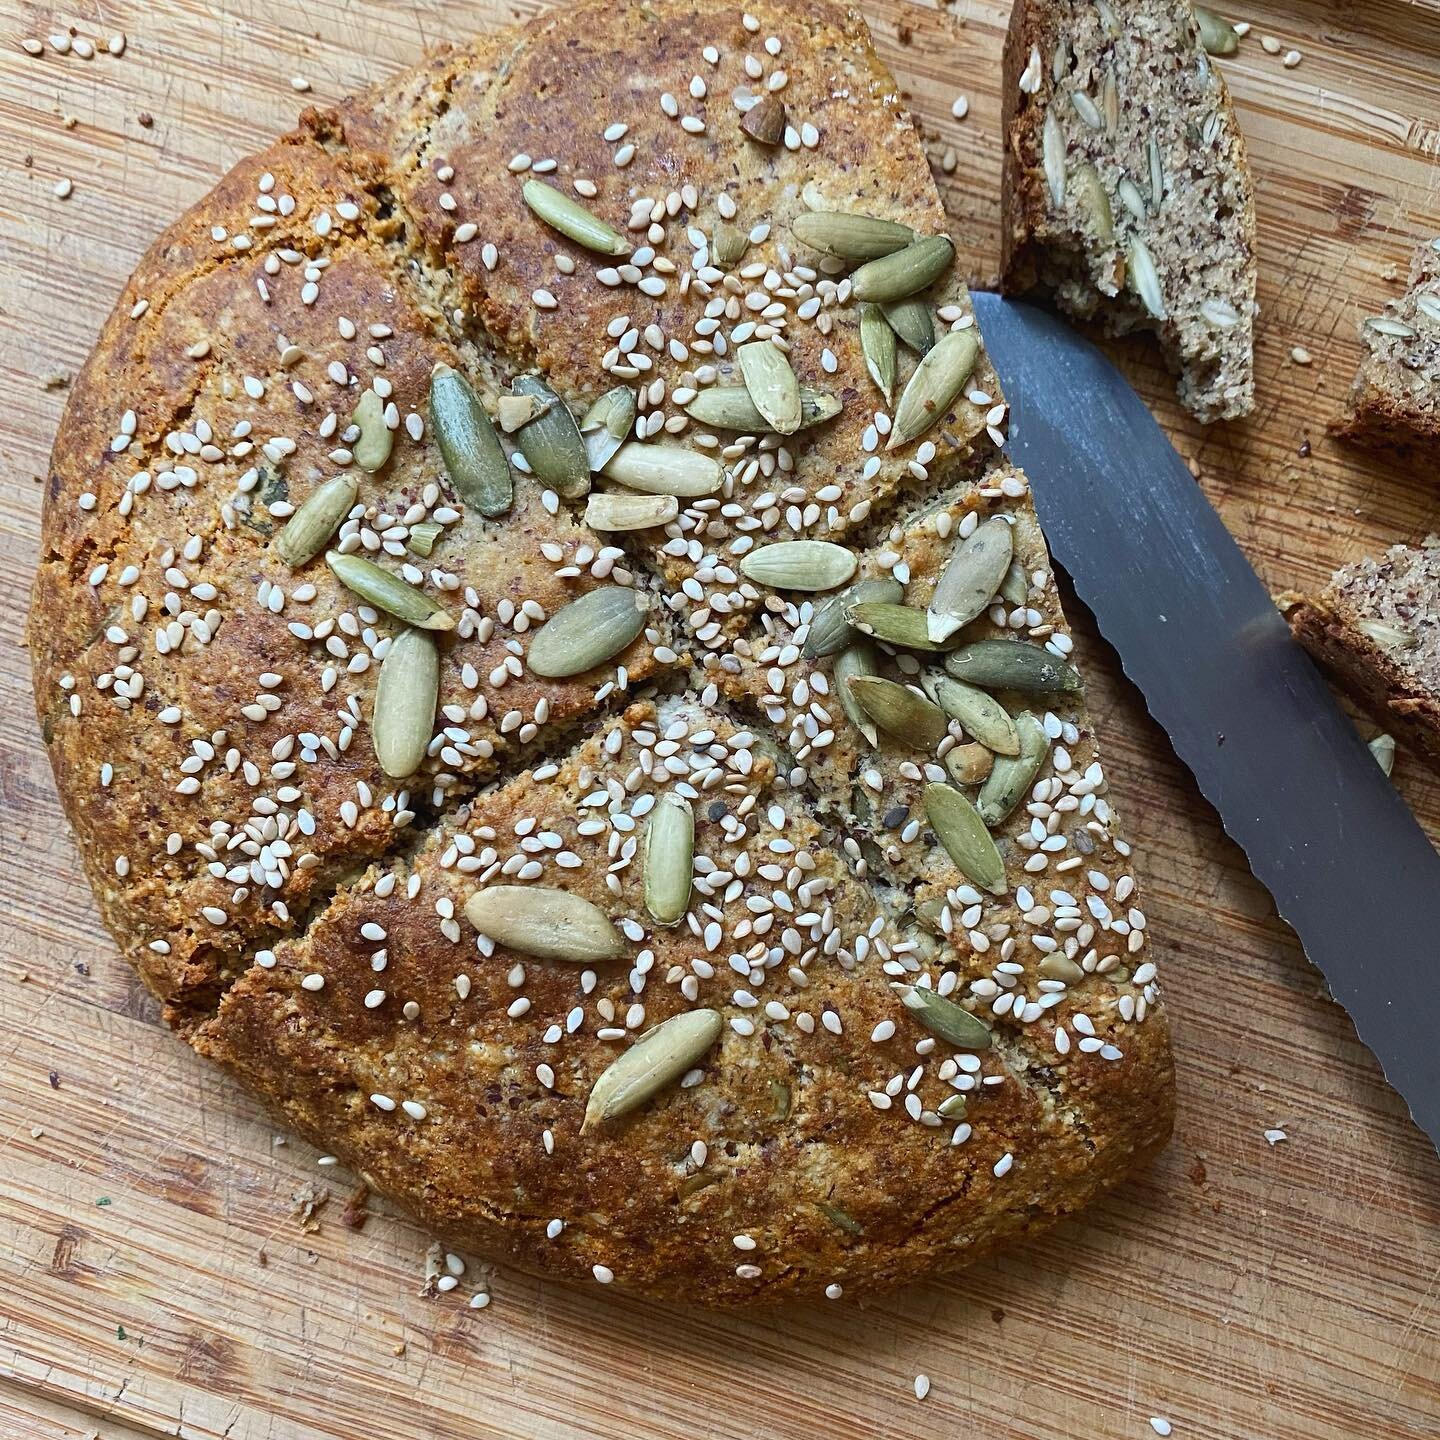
{"x":688,"y":864}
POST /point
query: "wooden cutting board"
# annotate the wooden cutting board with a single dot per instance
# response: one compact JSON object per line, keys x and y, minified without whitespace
{"x":153,"y":1278}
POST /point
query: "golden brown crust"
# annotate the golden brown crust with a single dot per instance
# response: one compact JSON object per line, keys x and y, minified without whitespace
{"x":208,"y":711}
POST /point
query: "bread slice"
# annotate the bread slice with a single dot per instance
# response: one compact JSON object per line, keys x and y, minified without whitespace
{"x":1126,"y":191}
{"x":1376,"y":628}
{"x":1394,"y":402}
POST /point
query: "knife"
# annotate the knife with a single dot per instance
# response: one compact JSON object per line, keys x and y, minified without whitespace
{"x":1324,"y":830}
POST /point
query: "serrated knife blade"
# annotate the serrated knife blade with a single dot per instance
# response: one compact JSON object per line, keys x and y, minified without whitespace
{"x":1325,"y":832}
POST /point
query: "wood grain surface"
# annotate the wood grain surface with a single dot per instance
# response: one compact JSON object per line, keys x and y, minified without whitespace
{"x":153,"y":1279}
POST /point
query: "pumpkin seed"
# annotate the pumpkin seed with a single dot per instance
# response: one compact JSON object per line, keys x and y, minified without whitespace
{"x":1145,"y":278}
{"x":405,"y":697}
{"x":799,"y":565}
{"x":630,"y":512}
{"x":765,"y":122}
{"x":959,"y":828}
{"x":969,"y":764}
{"x":469,"y":446}
{"x":969,"y":581}
{"x":938,"y":379}
{"x":309,"y":529}
{"x":728,"y":244}
{"x":912,"y":321}
{"x":781,"y":1099}
{"x":901,"y":625}
{"x":423,"y":536}
{"x":944,"y":1018}
{"x":1013,"y":665}
{"x":372,"y":446}
{"x":1388,"y":637}
{"x":1015,"y":587}
{"x":952,"y":1107}
{"x":840,"y":1219}
{"x":1090,"y":191}
{"x":850,"y":237}
{"x":1216,"y":35}
{"x":586,"y":632}
{"x":772,"y":385}
{"x":573,"y":220}
{"x":899,"y":711}
{"x":1382,"y":747}
{"x":388,"y":592}
{"x":729,"y":407}
{"x":551,"y":442}
{"x":1052,"y":154}
{"x":855,"y":661}
{"x":905,"y":272}
{"x":829,"y":630}
{"x":982,"y":715}
{"x":653,"y":1063}
{"x":1056,"y":966}
{"x":663,"y":470}
{"x":669,"y":857}
{"x":1010,"y":778}
{"x":547,"y":923}
{"x":606,"y":424}
{"x":877,"y":344}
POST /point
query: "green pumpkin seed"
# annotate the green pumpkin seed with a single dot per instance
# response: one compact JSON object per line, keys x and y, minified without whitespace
{"x":729,"y":407}
{"x":901,"y":625}
{"x":1216,"y":35}
{"x":906,"y":272}
{"x":944,"y":1018}
{"x":669,"y":857}
{"x":877,"y":344}
{"x":799,"y":565}
{"x":938,"y":380}
{"x":551,"y":443}
{"x":970,"y":579}
{"x":372,"y":446}
{"x":587,"y":632}
{"x":969,"y":764}
{"x":309,"y":529}
{"x":913,"y":322}
{"x":1382,"y":747}
{"x":653,"y":1063}
{"x":1056,"y":966}
{"x":840,"y":1219}
{"x":606,"y":424}
{"x":1013,"y":665}
{"x":830,"y":632}
{"x":772,"y":385}
{"x":855,"y":661}
{"x":728,"y":244}
{"x":611,"y":512}
{"x":899,"y":711}
{"x":1145,"y":278}
{"x":952,"y":1107}
{"x":474,"y":458}
{"x":850,"y":237}
{"x":959,"y":828}
{"x":664,"y":470}
{"x":780,"y":1099}
{"x":405,"y":698}
{"x":423,"y":536}
{"x":1015,"y":587}
{"x":982,"y":715}
{"x":547,"y":923}
{"x":1010,"y":778}
{"x":1095,"y":201}
{"x":573,"y":220}
{"x":388,"y":592}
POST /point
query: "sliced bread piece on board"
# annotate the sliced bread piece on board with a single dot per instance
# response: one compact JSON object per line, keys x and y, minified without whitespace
{"x":1376,"y":628}
{"x":1126,"y":191}
{"x":1395,"y":400}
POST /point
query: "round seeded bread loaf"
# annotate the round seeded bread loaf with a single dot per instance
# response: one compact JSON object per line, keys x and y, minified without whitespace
{"x":698,"y":969}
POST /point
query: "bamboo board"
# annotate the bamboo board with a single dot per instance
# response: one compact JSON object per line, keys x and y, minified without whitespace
{"x":153,"y":1280}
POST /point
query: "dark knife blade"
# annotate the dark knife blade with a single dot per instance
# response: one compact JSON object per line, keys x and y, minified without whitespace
{"x":1324,"y":830}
